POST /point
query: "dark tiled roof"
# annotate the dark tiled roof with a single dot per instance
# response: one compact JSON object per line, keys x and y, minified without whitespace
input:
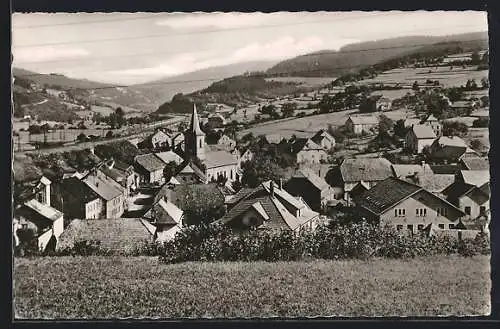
{"x":149,"y":162}
{"x":476,"y":163}
{"x":76,"y":187}
{"x":423,"y":131}
{"x":450,"y":169}
{"x":456,"y":190}
{"x":314,"y":179}
{"x":385,"y":194}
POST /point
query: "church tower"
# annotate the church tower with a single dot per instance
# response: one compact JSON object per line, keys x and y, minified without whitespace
{"x":195,"y":137}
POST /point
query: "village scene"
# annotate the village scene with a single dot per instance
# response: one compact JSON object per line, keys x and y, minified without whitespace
{"x":276,"y":167}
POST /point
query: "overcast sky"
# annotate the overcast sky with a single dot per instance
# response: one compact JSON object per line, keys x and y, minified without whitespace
{"x":139,"y":47}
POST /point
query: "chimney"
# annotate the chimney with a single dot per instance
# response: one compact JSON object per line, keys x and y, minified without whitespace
{"x":423,"y":164}
{"x":272,"y":189}
{"x":281,"y":183}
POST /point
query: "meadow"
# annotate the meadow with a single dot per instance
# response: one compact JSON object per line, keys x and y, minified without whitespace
{"x":312,"y":82}
{"x":117,"y":287}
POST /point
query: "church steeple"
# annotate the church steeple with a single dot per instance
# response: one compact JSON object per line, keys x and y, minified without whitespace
{"x":195,"y":123}
{"x":195,"y":137}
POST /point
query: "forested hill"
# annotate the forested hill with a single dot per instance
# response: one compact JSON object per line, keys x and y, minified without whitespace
{"x":335,"y":63}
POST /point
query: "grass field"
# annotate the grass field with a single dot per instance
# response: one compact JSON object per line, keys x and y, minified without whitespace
{"x":100,"y":287}
{"x":313,"y":82}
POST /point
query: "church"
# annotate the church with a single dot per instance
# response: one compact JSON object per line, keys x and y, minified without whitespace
{"x":217,"y":163}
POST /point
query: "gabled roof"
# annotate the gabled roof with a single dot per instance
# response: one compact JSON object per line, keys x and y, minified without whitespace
{"x":363,"y":119}
{"x":385,"y":194}
{"x":314,"y":179}
{"x":123,"y":235}
{"x":320,"y":135}
{"x":169,"y":156}
{"x":475,"y":177}
{"x":219,"y":158}
{"x":451,"y":141}
{"x":431,"y":118}
{"x":365,"y":169}
{"x":102,"y":188}
{"x":475,"y":163}
{"x":445,"y":169}
{"x":423,"y":131}
{"x":164,"y":213}
{"x":279,"y":210}
{"x":423,"y":176}
{"x":75,"y":187}
{"x":302,"y":144}
{"x":150,"y":162}
{"x":44,"y":210}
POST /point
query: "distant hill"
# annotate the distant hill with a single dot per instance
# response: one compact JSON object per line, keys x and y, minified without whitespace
{"x":349,"y":57}
{"x":57,"y":80}
{"x":162,"y":90}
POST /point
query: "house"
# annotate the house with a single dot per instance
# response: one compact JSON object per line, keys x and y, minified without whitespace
{"x":448,"y":149}
{"x":307,"y":151}
{"x":113,"y":200}
{"x":46,"y":223}
{"x":418,"y":137}
{"x":123,"y":236}
{"x":227,"y":142}
{"x":269,"y":206}
{"x":313,"y":189}
{"x":370,"y":171}
{"x":409,"y":122}
{"x":221,"y":164}
{"x":432,"y":121}
{"x":158,"y":140}
{"x":189,"y":173}
{"x":77,"y":200}
{"x":150,"y":168}
{"x":166,"y":217}
{"x":405,"y":206}
{"x":474,"y":163}
{"x":423,"y":176}
{"x":170,"y":156}
{"x":246,"y":155}
{"x":216,"y":121}
{"x":320,"y":169}
{"x":462,"y":105}
{"x":471,"y":193}
{"x":357,"y":124}
{"x":123,"y":180}
{"x":324,"y":139}
{"x":177,"y":141}
{"x":383,"y":104}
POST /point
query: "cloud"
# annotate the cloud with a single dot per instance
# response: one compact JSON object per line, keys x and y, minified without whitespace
{"x":217,"y":20}
{"x":47,"y":53}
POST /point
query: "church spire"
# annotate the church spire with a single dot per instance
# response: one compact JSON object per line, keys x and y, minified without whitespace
{"x":195,"y":123}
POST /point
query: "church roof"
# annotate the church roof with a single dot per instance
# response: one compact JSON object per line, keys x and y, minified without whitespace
{"x":195,"y":123}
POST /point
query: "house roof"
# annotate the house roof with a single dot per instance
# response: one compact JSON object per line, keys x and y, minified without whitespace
{"x":423,"y":131}
{"x":150,"y":162}
{"x":165,"y":213}
{"x":386,"y":193}
{"x":422,"y":175}
{"x":461,"y":104}
{"x":475,"y":163}
{"x":102,"y":188}
{"x":457,"y":189}
{"x":219,"y":158}
{"x":365,"y":169}
{"x":320,"y":135}
{"x":316,"y":180}
{"x":182,"y":195}
{"x":44,"y":210}
{"x":169,"y":156}
{"x":301,"y":144}
{"x":121,"y":235}
{"x":431,"y":118}
{"x":113,"y":173}
{"x":475,"y":177}
{"x":363,"y":119}
{"x":445,"y":169}
{"x":276,"y":209}
{"x":74,"y":186}
{"x":412,"y":121}
{"x":451,"y":141}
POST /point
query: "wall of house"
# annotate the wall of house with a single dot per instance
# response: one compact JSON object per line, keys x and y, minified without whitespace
{"x":427,"y":207}
{"x":44,"y":239}
{"x":94,"y":209}
{"x":474,"y":203}
{"x":159,"y":139}
{"x":228,"y":171}
{"x":58,"y":227}
{"x":311,"y":156}
{"x":423,"y":143}
{"x":114,"y":207}
{"x":327,"y":144}
{"x":156,"y":176}
{"x":303,"y":188}
{"x":249,"y":216}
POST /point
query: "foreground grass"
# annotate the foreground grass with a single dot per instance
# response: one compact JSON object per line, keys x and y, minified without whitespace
{"x":114,"y":287}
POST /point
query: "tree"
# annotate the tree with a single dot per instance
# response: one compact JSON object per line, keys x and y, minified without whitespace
{"x":182,"y":127}
{"x":82,"y":138}
{"x":289,"y":109}
{"x":477,"y":145}
{"x":368,"y":105}
{"x":484,"y":83}
{"x":259,"y":170}
{"x":455,"y":128}
{"x":475,"y":58}
{"x":415,"y":86}
{"x":120,"y":117}
{"x":385,"y":124}
{"x":400,"y":128}
{"x":109,"y":134}
{"x":481,"y":123}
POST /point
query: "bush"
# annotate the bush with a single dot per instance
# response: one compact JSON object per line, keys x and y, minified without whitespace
{"x":481,"y":123}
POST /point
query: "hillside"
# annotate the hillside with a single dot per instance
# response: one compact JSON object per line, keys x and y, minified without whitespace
{"x":233,"y":91}
{"x":335,"y":63}
{"x":162,"y":90}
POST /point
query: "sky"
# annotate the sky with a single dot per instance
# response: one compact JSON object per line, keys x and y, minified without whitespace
{"x":129,"y":48}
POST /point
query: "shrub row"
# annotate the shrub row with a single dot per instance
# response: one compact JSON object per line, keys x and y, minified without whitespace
{"x":348,"y":241}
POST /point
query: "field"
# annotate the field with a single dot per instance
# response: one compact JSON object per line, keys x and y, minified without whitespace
{"x":446,"y":77}
{"x":306,"y":126}
{"x":100,"y":287}
{"x":304,"y":81}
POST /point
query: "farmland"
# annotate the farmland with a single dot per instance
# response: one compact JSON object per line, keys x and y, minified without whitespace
{"x":109,"y":287}
{"x":313,"y":82}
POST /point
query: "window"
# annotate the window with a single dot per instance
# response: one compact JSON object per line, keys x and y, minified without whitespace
{"x":451,"y":226}
{"x":482,"y":210}
{"x":425,"y":212}
{"x":399,"y":227}
{"x":420,"y":227}
{"x":441,"y":226}
{"x":410,"y":227}
{"x":396,"y":212}
{"x":467,"y":210}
